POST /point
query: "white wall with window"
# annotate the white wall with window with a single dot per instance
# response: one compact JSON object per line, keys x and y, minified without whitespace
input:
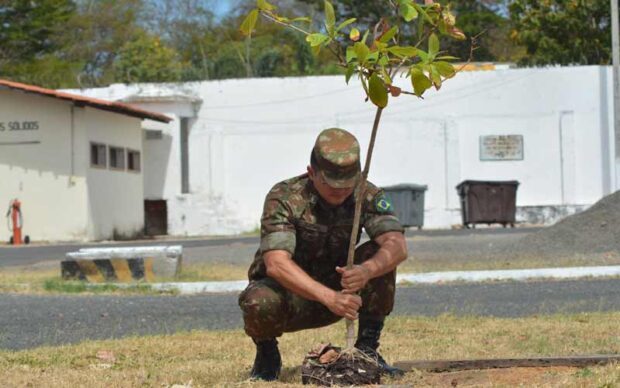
{"x":69,"y":166}
{"x":251,"y":133}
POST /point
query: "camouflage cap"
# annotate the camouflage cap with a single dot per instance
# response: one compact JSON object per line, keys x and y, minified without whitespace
{"x":337,"y":154}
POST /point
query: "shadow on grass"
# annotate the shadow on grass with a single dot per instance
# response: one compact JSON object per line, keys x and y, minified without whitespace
{"x":291,"y":374}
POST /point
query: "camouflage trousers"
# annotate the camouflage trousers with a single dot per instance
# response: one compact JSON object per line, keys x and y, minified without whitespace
{"x":269,"y":309}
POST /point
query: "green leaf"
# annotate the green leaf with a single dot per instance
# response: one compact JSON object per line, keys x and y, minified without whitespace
{"x":372,"y":57}
{"x":386,"y":76}
{"x":445,"y":69}
{"x":447,"y":58}
{"x":419,"y":81}
{"x":389,"y":34}
{"x":433,"y":45}
{"x":383,"y":60}
{"x":377,"y":92}
{"x":316,"y":39}
{"x":424,"y":57}
{"x":302,"y":19}
{"x":350,"y":72}
{"x":403,"y":52}
{"x":361,"y":51}
{"x":354,"y":35}
{"x":435,"y":77}
{"x":443,"y":29}
{"x":424,"y":13}
{"x":351,"y":54}
{"x":365,"y":36}
{"x":380,"y":46}
{"x":421,"y":27}
{"x":407,"y":11}
{"x":316,"y":50}
{"x":345,"y":23}
{"x":249,"y":23}
{"x":263,"y":5}
{"x":330,"y":18}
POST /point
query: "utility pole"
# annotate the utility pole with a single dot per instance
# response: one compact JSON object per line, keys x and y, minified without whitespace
{"x":615,"y":50}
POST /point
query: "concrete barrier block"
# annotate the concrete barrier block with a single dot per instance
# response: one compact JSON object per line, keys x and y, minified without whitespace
{"x":123,"y":264}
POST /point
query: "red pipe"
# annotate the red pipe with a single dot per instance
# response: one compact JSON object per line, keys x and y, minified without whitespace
{"x":17,"y":227}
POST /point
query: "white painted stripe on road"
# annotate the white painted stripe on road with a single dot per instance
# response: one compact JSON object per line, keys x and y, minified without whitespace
{"x":421,"y":278}
{"x":515,"y":274}
{"x":202,"y":287}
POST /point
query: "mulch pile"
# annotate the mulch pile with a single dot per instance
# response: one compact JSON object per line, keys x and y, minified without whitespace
{"x":328,"y":366}
{"x":596,"y":230}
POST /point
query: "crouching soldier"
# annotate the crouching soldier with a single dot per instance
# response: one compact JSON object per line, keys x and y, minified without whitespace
{"x":298,"y":279}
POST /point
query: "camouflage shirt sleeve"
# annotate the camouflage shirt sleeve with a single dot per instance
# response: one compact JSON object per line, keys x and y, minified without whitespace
{"x":277,"y":229}
{"x":378,"y":214}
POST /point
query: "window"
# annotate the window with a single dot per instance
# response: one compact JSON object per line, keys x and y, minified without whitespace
{"x":98,"y":155}
{"x":152,"y":134}
{"x":117,"y":158}
{"x":133,"y":160}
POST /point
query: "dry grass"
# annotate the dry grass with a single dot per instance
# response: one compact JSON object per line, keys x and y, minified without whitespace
{"x":223,"y":358}
{"x":213,"y":272}
{"x":26,"y":279}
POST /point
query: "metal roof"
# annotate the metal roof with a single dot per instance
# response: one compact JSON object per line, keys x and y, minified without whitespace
{"x":109,"y":106}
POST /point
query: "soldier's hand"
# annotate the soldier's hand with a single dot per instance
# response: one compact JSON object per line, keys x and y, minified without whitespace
{"x":353,"y":279}
{"x":345,"y":305}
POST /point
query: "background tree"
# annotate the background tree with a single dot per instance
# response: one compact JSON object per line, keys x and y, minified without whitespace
{"x":480,"y":20}
{"x":564,"y":32}
{"x":146,"y":59}
{"x":30,"y":34}
{"x":96,"y":33}
{"x":189,"y":28}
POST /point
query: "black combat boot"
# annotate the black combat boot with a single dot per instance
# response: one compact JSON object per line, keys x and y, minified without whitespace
{"x":267,"y":363}
{"x":368,"y":335}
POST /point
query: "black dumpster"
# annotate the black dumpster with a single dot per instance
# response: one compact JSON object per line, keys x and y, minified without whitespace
{"x":488,"y":202}
{"x":408,"y":203}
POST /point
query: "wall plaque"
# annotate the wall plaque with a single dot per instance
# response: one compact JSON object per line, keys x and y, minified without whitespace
{"x":501,"y":147}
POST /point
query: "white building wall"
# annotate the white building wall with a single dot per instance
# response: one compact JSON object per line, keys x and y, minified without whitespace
{"x":48,"y":170}
{"x":115,"y":198}
{"x":45,"y":175}
{"x":251,"y":133}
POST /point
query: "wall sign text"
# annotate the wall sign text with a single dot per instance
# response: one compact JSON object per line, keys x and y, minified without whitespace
{"x":501,"y":147}
{"x":7,"y":126}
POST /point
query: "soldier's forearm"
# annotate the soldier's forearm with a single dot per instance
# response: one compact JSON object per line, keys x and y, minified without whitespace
{"x":392,"y":252}
{"x":285,"y":271}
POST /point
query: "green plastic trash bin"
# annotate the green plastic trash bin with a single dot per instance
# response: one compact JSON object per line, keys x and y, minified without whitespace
{"x":408,"y":203}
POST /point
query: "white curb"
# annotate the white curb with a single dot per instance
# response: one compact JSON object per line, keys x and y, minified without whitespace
{"x":421,"y":278}
{"x":515,"y":274}
{"x":202,"y":287}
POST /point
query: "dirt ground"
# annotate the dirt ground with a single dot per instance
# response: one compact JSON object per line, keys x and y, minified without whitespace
{"x":509,"y":377}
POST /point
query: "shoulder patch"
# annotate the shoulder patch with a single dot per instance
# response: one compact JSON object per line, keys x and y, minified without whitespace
{"x":383,"y":204}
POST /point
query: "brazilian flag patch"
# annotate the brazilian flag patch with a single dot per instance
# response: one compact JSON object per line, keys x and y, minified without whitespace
{"x":383,"y":204}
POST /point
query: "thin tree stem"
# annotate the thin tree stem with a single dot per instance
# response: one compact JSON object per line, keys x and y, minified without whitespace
{"x":360,"y":196}
{"x":266,"y":15}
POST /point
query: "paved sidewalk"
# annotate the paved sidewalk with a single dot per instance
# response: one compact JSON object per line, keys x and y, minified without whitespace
{"x":422,"y":278}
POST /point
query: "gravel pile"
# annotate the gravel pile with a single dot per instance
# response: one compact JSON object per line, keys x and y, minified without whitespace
{"x":595,"y":230}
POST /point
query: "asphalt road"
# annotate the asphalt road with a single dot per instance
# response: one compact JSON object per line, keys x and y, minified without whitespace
{"x":28,"y":321}
{"x":236,"y":250}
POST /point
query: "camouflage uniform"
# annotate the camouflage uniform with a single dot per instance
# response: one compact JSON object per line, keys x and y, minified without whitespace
{"x":297,"y":220}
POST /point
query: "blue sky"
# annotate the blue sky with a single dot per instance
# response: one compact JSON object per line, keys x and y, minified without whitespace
{"x":222,"y":6}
